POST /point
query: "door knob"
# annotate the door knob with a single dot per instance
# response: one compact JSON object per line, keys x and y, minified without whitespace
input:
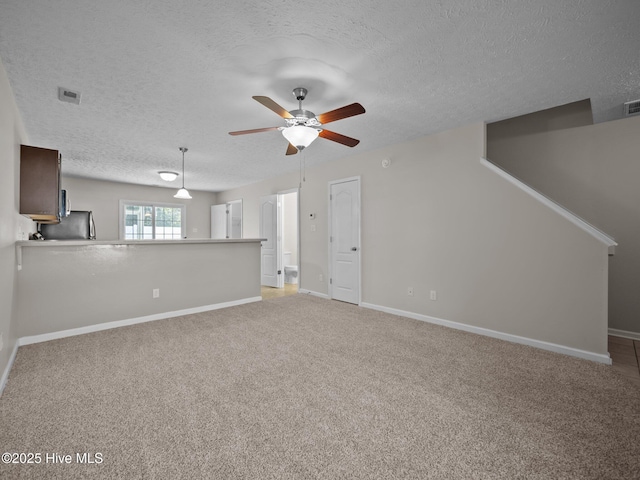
{"x":353,"y":249}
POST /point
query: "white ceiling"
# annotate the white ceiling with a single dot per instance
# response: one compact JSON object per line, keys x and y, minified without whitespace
{"x":159,"y":74}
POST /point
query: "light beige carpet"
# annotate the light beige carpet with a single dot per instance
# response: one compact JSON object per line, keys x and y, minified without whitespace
{"x":300,"y":387}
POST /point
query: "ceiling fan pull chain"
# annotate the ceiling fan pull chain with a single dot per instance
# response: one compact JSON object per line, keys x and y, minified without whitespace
{"x":304,"y":162}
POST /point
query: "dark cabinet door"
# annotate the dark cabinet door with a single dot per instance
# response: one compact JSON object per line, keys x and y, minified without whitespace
{"x":40,"y":184}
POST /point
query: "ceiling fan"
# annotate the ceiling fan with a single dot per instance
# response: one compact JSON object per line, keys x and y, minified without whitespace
{"x":302,"y":126}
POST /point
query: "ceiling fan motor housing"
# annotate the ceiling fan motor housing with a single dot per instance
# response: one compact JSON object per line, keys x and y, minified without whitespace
{"x":303,"y":117}
{"x":300,"y":93}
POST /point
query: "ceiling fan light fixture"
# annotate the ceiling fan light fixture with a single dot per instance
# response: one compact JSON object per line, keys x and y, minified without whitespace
{"x":183,"y":192}
{"x":168,"y":176}
{"x":300,"y":136}
{"x":302,"y":126}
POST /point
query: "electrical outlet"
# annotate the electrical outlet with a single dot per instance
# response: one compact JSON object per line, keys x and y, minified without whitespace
{"x":321,"y":278}
{"x":434,"y":295}
{"x":410,"y":291}
{"x":156,"y":293}
{"x":313,"y":227}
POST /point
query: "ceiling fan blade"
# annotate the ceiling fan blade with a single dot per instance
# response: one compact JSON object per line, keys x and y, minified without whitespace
{"x":255,"y":130}
{"x":336,"y":137}
{"x":271,"y":105}
{"x":340,"y":113}
{"x":291,"y":150}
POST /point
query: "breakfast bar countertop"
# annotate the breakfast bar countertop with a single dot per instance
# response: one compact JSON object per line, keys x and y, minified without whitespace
{"x":76,"y":243}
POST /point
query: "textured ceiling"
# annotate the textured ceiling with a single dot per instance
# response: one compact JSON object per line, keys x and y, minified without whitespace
{"x":159,"y":74}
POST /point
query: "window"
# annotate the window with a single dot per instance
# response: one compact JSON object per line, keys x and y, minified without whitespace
{"x":148,"y":221}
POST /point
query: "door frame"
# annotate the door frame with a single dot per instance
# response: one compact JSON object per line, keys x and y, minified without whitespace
{"x":281,"y":233}
{"x":230,"y":219}
{"x":275,"y":240}
{"x":357,"y":179}
{"x":218,"y":216}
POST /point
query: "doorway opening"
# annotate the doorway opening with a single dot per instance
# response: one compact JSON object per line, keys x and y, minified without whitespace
{"x":279,"y":224}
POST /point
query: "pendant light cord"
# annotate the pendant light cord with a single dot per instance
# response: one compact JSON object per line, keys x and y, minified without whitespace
{"x":183,"y":150}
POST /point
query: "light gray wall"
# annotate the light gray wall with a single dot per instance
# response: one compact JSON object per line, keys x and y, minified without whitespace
{"x":436,"y":219}
{"x":13,"y":226}
{"x":593,"y":171}
{"x":103,"y":199}
{"x":62,"y":287}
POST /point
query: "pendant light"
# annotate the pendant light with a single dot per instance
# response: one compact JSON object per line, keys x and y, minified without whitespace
{"x":183,"y":192}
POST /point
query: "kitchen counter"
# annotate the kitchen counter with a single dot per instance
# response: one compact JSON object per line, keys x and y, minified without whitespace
{"x":96,"y":243}
{"x":75,"y":243}
{"x":76,"y":286}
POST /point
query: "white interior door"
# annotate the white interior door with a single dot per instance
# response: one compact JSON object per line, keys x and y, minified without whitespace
{"x":234,"y":224}
{"x":269,"y":231}
{"x":219,"y":221}
{"x":344,"y":200}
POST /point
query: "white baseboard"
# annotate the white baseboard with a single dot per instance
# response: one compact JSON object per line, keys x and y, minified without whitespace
{"x":574,"y":352}
{"x":45,"y":337}
{"x":623,"y":333}
{"x":5,"y":374}
{"x":315,"y":294}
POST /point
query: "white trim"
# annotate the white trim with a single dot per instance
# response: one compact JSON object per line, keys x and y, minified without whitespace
{"x":574,"y":352}
{"x":228,"y":206}
{"x":289,"y":190}
{"x":263,"y":200}
{"x":45,"y":337}
{"x":279,"y":241}
{"x":560,"y":210}
{"x":154,"y":205}
{"x":312,"y":293}
{"x":298,"y":228}
{"x":624,"y":334}
{"x":5,"y":374}
{"x":230,"y":219}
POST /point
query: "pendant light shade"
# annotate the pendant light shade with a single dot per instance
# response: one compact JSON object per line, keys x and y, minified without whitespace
{"x":300,"y":136}
{"x":183,"y":192}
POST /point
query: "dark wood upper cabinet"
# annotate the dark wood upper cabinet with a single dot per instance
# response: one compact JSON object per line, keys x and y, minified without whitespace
{"x":40,"y":184}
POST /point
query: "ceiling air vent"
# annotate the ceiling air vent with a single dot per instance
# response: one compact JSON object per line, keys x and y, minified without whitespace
{"x":66,"y":95}
{"x":632,"y":108}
